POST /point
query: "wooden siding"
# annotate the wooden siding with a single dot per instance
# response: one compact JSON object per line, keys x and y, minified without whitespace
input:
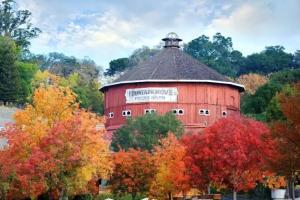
{"x":191,"y":97}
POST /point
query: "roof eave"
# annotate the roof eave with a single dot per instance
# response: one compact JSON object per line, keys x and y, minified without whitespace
{"x":239,"y":86}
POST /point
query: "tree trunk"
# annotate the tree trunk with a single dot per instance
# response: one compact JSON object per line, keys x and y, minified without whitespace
{"x":291,"y":188}
{"x":170,"y":196}
{"x":133,"y":195}
{"x":62,"y":195}
{"x":234,"y":195}
{"x":184,"y":195}
{"x":50,"y":194}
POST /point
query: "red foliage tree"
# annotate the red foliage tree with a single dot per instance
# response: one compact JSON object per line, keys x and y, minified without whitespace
{"x":287,"y":136}
{"x":133,"y":172}
{"x":230,"y":153}
{"x":63,"y":162}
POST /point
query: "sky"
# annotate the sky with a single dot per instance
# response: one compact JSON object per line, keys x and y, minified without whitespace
{"x":109,"y":29}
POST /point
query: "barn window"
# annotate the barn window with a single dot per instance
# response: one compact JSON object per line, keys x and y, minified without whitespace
{"x":111,"y":115}
{"x":224,"y":113}
{"x":178,"y":111}
{"x":126,"y":113}
{"x":207,"y":112}
{"x":149,"y":110}
{"x":204,"y":112}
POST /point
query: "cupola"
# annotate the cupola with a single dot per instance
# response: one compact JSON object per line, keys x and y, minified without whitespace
{"x":171,"y":40}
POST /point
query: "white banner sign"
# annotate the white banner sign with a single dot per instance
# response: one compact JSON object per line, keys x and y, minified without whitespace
{"x":151,"y":94}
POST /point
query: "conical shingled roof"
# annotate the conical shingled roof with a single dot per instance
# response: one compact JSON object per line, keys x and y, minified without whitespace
{"x":172,"y":65}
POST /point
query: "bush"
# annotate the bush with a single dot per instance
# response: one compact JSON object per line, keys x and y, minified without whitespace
{"x":145,"y":131}
{"x":83,"y":197}
{"x":114,"y":197}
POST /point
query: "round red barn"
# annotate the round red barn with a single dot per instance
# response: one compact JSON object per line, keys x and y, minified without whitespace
{"x":171,"y":81}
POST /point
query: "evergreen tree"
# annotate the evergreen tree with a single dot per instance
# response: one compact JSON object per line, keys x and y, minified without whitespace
{"x":9,"y":75}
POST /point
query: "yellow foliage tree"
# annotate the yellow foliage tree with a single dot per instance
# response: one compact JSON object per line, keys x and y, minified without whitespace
{"x":49,"y":105}
{"x":252,"y":81}
{"x":172,"y":177}
{"x":55,"y":146}
{"x":45,"y":78}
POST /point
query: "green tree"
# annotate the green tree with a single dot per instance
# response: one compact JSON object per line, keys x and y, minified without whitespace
{"x":9,"y":74}
{"x":145,"y":131}
{"x":138,"y":56}
{"x":287,"y":76}
{"x":27,"y":72}
{"x":272,"y":59}
{"x":257,"y":103}
{"x":117,"y":65}
{"x":142,"y":54}
{"x":63,"y":65}
{"x":16,"y":24}
{"x":263,"y":103}
{"x":217,"y":54}
{"x":273,"y":111}
{"x":297,"y":58}
{"x":87,"y":92}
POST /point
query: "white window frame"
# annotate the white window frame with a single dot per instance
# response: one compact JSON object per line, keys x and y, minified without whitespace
{"x":177,"y":111}
{"x":149,"y":110}
{"x":126,"y":114}
{"x":224,"y":113}
{"x":111,"y":115}
{"x":180,"y":110}
{"x":204,"y":112}
{"x":207,"y":112}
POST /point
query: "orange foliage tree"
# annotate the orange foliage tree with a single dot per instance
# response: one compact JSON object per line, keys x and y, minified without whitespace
{"x":171,"y":177}
{"x":287,"y":136}
{"x":54,"y":146}
{"x":133,"y":172}
{"x":231,"y":153}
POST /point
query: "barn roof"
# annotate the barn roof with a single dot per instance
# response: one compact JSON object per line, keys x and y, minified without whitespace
{"x":172,"y":65}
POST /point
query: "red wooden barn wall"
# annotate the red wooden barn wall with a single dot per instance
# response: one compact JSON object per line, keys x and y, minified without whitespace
{"x":191,"y":98}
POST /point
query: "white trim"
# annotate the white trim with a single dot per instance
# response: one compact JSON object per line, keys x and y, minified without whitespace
{"x":171,"y":81}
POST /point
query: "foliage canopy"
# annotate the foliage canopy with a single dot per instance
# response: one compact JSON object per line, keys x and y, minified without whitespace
{"x":145,"y":131}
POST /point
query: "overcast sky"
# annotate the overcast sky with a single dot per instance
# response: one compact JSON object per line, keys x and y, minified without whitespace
{"x":110,"y":29}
